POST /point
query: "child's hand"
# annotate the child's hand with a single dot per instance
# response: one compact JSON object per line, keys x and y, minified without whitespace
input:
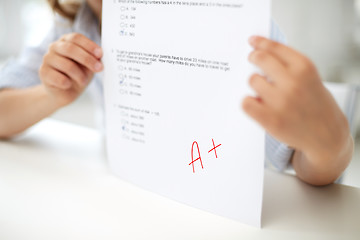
{"x":293,"y":105}
{"x":68,"y":67}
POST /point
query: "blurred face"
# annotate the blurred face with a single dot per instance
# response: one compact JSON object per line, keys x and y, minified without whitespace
{"x":95,"y":6}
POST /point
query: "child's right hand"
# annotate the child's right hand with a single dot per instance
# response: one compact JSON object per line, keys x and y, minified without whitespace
{"x":68,"y":67}
{"x":294,"y":106}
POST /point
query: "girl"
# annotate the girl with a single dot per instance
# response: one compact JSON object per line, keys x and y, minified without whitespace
{"x":294,"y":106}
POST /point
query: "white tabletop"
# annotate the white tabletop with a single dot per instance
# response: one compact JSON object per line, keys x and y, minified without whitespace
{"x":55,"y":184}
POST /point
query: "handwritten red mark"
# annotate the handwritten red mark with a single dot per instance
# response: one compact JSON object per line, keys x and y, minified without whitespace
{"x":192,"y":156}
{"x":214,"y":148}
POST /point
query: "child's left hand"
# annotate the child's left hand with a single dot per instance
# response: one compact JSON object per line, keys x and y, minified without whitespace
{"x":294,"y":106}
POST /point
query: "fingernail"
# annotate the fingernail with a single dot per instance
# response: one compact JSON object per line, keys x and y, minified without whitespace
{"x":98,"y":66}
{"x":98,"y":52}
{"x":252,"y":40}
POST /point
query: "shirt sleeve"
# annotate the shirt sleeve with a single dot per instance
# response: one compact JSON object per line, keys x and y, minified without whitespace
{"x":23,"y":71}
{"x":277,"y":154}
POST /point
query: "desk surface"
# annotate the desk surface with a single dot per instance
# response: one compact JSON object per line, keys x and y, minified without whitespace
{"x":55,"y":184}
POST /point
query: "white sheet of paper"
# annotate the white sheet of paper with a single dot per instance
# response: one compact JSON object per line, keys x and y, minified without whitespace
{"x":175,"y":74}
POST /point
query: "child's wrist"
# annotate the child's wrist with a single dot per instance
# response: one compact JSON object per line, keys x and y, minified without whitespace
{"x":51,"y":101}
{"x":332,"y":155}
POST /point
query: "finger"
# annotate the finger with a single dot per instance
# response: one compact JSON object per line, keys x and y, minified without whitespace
{"x":256,"y":109}
{"x":69,"y":68}
{"x":85,"y":43}
{"x":56,"y":79}
{"x":89,"y":74}
{"x":286,"y":55}
{"x":78,"y":54}
{"x":262,"y":87}
{"x":271,"y":66}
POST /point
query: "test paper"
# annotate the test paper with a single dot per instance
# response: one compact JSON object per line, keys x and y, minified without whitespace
{"x":176,"y":73}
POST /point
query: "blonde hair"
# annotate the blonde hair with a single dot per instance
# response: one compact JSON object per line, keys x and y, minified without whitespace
{"x":67,"y":9}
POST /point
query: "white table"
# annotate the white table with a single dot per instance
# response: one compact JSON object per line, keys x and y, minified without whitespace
{"x":55,"y":184}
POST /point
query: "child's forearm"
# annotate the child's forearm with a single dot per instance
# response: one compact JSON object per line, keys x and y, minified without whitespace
{"x":22,"y":108}
{"x":323,"y":167}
